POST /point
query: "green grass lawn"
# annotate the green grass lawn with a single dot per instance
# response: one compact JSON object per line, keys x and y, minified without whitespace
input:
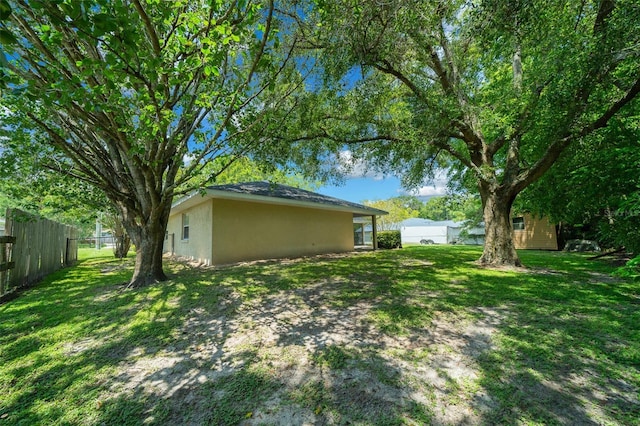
{"x":408,"y":336}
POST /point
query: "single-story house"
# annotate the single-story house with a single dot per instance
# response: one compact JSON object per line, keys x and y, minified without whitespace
{"x":426,"y":231}
{"x":260,"y":220}
{"x":531,"y":232}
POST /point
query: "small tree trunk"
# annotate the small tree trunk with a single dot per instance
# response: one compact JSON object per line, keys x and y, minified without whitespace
{"x":122,"y":246}
{"x":499,"y":249}
{"x":122,"y":240}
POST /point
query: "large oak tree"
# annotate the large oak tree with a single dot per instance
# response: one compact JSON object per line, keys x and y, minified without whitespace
{"x":495,"y":89}
{"x":142,"y":95}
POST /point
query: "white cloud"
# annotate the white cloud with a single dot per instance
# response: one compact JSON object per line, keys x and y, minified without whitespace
{"x":431,"y":190}
{"x":187,"y":159}
{"x":351,"y":167}
{"x":356,"y":168}
{"x":437,"y":186}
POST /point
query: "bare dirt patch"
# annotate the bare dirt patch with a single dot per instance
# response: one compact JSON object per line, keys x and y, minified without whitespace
{"x":329,"y":364}
{"x":320,"y":355}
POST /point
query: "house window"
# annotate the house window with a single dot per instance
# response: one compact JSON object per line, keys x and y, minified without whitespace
{"x":185,"y":226}
{"x":362,"y":233}
{"x":518,"y":223}
{"x":358,"y":234}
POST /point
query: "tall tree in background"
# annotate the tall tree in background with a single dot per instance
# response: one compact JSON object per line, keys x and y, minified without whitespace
{"x":497,"y":89}
{"x":458,"y":207}
{"x":128,"y":89}
{"x":399,"y":209}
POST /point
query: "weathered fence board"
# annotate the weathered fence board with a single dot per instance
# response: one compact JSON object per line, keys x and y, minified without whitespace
{"x":40,"y":246}
{"x":5,"y":263}
{"x":5,"y":266}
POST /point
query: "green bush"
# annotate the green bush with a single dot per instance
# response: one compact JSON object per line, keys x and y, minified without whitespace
{"x":631,"y":270}
{"x":389,"y":239}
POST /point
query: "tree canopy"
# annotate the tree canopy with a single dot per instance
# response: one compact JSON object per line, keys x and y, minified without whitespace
{"x":457,"y":207}
{"x":596,"y":191}
{"x":399,"y":209}
{"x":141,"y":96}
{"x":28,"y":181}
{"x":497,"y":90}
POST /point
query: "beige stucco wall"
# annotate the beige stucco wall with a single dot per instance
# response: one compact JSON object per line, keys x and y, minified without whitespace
{"x":198,"y":246}
{"x":249,"y":231}
{"x":538,"y":233}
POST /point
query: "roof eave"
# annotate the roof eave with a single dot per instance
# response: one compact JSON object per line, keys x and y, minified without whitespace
{"x":192,"y":199}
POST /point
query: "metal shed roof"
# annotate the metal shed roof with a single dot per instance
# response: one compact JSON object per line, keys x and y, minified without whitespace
{"x":428,"y":222}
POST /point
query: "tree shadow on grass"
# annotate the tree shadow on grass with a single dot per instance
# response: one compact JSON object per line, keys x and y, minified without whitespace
{"x":567,"y":350}
{"x":62,"y":341}
{"x":278,"y":358}
{"x":269,"y":350}
{"x":376,"y":338}
{"x":566,"y":347}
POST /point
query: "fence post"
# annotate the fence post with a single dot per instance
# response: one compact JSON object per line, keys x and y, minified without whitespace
{"x":5,"y":262}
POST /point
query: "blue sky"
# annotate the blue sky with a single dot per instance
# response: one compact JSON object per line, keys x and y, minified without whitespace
{"x":362,"y":183}
{"x":358,"y":188}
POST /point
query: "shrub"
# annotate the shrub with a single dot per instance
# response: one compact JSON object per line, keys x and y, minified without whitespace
{"x":389,"y":239}
{"x":630,"y":270}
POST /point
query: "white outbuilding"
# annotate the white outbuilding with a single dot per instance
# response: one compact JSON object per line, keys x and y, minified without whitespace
{"x":426,"y":231}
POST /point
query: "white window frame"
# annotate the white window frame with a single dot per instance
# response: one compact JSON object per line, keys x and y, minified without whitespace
{"x":518,"y":223}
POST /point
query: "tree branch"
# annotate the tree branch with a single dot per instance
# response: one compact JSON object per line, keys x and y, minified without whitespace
{"x":151,"y":32}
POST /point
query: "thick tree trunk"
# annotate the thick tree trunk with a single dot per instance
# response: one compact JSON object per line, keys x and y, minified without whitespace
{"x":147,"y":233}
{"x":148,"y":266}
{"x":499,"y":249}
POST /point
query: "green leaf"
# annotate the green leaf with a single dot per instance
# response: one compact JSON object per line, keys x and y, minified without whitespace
{"x":5,"y":10}
{"x":209,"y":69}
{"x":6,"y":37}
{"x":103,"y":23}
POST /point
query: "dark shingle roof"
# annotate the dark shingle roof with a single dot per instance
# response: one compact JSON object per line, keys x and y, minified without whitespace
{"x":266,"y":189}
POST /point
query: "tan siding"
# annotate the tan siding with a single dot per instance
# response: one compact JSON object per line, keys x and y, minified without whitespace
{"x":538,"y":233}
{"x":198,"y":246}
{"x":249,"y":231}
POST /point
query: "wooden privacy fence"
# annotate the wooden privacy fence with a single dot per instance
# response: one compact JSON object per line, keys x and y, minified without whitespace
{"x":33,"y":248}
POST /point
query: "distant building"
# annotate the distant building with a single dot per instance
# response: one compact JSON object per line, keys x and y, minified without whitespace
{"x":426,"y":231}
{"x":530,"y":232}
